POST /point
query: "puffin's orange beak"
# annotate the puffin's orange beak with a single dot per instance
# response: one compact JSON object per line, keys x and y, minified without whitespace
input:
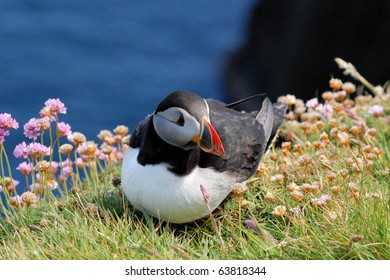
{"x":209,"y":140}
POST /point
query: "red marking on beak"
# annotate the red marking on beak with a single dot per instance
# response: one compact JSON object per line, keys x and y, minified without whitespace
{"x":210,"y":141}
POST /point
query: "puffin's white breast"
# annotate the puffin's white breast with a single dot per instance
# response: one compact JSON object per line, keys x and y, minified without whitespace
{"x":162,"y":194}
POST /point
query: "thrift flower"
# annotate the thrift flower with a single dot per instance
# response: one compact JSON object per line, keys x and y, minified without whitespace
{"x":21,"y":150}
{"x":121,"y":130}
{"x":325,"y":110}
{"x":29,"y":197}
{"x":53,"y":107}
{"x":312,"y":103}
{"x":7,"y":122}
{"x":3,"y":133}
{"x":37,"y":150}
{"x":54,"y":167}
{"x":44,"y":123}
{"x":376,"y":110}
{"x":279,"y":211}
{"x":76,"y":138}
{"x":25,"y":168}
{"x":32,"y":129}
{"x":16,"y":201}
{"x":63,"y":129}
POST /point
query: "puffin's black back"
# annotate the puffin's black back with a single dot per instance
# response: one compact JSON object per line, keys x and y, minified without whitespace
{"x":241,"y":134}
{"x":243,"y":139}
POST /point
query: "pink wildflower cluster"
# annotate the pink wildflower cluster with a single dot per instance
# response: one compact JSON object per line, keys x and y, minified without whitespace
{"x":6,"y":123}
{"x":34,"y":150}
{"x":78,"y":154}
{"x":53,"y":107}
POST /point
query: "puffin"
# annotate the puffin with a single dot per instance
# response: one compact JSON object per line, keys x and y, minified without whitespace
{"x":189,"y":142}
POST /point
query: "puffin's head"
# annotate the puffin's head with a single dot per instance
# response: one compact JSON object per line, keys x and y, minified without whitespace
{"x":182,"y":120}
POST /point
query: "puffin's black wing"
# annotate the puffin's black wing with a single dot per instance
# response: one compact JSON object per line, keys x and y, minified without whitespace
{"x":243,"y":138}
{"x":139,"y":132}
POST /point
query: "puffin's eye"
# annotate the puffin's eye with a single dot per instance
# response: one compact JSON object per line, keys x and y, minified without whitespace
{"x":180,"y":120}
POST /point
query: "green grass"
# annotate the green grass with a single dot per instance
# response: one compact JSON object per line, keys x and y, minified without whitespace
{"x":98,"y":223}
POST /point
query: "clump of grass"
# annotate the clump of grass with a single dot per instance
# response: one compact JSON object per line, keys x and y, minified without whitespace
{"x":321,"y":194}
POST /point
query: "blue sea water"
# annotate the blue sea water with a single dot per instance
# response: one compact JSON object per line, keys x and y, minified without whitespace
{"x":111,"y":62}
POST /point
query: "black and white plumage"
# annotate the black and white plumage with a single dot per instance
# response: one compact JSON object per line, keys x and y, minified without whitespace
{"x":189,"y":141}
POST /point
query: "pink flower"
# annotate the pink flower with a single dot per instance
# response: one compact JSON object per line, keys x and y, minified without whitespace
{"x":37,"y":150}
{"x":376,"y":110}
{"x":324,"y":199}
{"x":3,"y":133}
{"x":312,"y":103}
{"x":31,"y":129}
{"x":206,"y":196}
{"x":63,"y":129}
{"x":66,"y":162}
{"x":252,"y":225}
{"x":325,"y":110}
{"x":1,"y":188}
{"x":55,"y":107}
{"x":54,"y":167}
{"x":68,"y":170}
{"x":25,"y":168}
{"x":21,"y":150}
{"x":80,"y":163}
{"x":7,"y":122}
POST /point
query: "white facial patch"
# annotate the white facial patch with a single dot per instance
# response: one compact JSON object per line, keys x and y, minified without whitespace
{"x":173,"y":132}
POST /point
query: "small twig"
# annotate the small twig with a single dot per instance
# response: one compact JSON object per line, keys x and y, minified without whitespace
{"x":349,"y":69}
{"x":181,"y":252}
{"x":151,"y":252}
{"x":206,"y":198}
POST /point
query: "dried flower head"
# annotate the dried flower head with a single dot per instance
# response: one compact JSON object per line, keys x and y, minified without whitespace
{"x":76,"y":138}
{"x":296,"y":195}
{"x":106,"y":149}
{"x":327,"y":96}
{"x":353,"y":187}
{"x":372,"y":132}
{"x":349,"y":87}
{"x":43,"y":166}
{"x":66,"y":149}
{"x":335,"y":189}
{"x":43,"y":123}
{"x":278,"y":178}
{"x":121,"y":130}
{"x":274,"y":157}
{"x":269,"y":196}
{"x":292,"y":187}
{"x":103,"y":134}
{"x":29,"y":197}
{"x":335,"y":84}
{"x":52,"y":184}
{"x":331,"y":176}
{"x":239,"y":188}
{"x":340,"y":95}
{"x":279,"y":211}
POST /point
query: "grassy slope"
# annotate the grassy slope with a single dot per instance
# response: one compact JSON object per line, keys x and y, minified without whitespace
{"x":97,"y":223}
